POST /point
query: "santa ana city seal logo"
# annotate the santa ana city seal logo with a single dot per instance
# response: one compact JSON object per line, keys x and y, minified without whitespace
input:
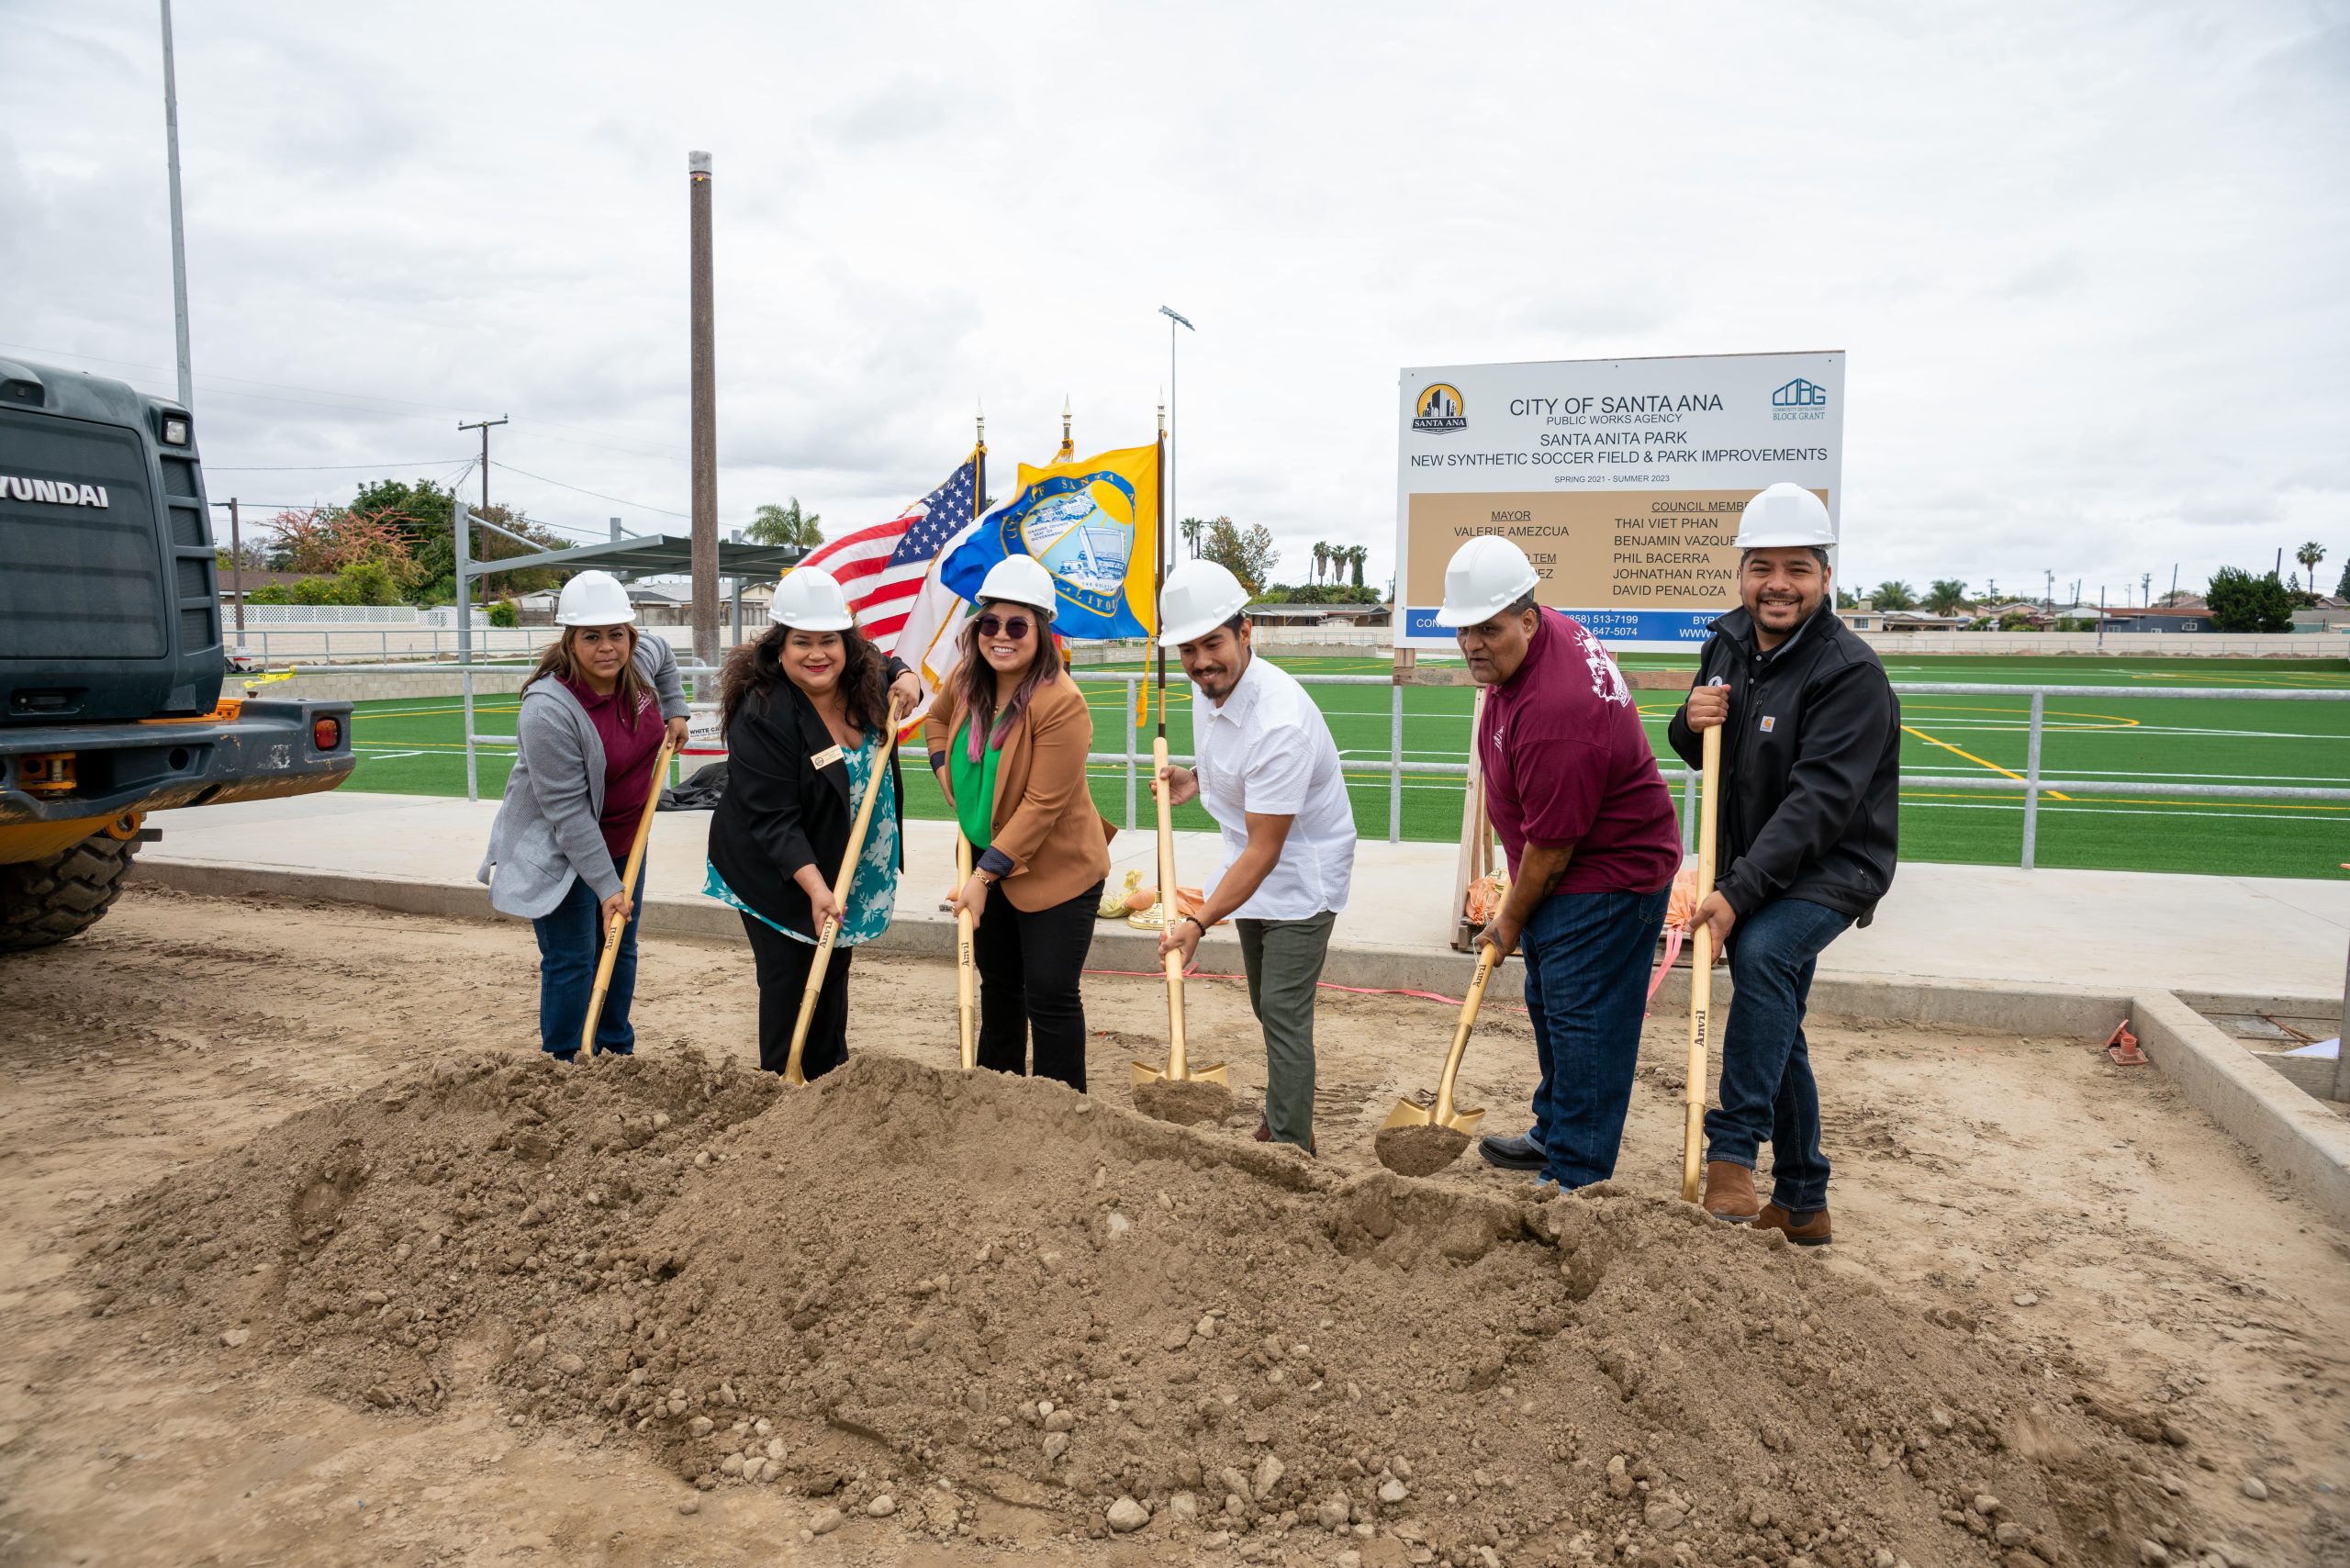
{"x":1440,"y":408}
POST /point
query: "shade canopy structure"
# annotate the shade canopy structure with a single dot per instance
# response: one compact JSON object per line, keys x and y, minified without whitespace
{"x":651,"y":556}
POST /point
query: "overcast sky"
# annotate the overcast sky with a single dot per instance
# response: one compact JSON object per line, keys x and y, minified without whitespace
{"x":2089,"y":260}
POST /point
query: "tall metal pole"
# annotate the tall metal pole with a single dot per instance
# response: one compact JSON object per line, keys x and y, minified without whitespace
{"x":705,"y":416}
{"x":179,"y":236}
{"x":463,"y":522}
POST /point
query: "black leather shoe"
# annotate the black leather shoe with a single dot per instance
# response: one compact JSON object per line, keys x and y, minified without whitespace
{"x":1519,"y":1153}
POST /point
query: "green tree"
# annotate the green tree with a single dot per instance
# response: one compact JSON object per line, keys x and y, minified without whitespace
{"x":503,"y":613}
{"x":424,"y":513}
{"x":772,"y":524}
{"x":1946,"y":596}
{"x":1896,"y":595}
{"x":2242,"y":602}
{"x":2342,"y":589}
{"x":1847,"y":599}
{"x":2309,"y":556}
{"x":1191,"y":528}
{"x":1247,"y":554}
{"x":270,"y":593}
{"x":1357,"y":555}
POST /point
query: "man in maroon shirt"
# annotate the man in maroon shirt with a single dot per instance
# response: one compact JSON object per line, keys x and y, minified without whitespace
{"x":1588,"y":826}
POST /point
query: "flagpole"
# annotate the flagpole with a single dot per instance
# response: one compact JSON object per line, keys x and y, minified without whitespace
{"x":980,"y":497}
{"x":1158,"y":592}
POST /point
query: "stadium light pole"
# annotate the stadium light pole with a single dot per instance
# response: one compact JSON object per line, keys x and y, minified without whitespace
{"x":1174,"y":319}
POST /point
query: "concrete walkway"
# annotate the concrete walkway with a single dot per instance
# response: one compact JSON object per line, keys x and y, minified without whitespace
{"x":2103,"y":930}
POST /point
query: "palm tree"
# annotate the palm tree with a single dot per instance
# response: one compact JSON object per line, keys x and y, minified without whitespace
{"x":1192,"y":528}
{"x":1946,"y":596}
{"x":1321,"y":560}
{"x":1359,"y":553}
{"x":2309,"y":556}
{"x":772,"y":524}
{"x":1895,"y":595}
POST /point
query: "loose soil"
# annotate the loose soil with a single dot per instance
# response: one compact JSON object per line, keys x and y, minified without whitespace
{"x":1422,"y":1150}
{"x":305,"y":1272}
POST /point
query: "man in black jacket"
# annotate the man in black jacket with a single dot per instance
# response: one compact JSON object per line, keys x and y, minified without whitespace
{"x":1811,"y":755}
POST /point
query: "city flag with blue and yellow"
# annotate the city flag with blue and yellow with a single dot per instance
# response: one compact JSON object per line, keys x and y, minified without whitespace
{"x":1092,"y":522}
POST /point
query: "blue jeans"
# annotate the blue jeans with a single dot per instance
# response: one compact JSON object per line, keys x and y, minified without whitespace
{"x":1587,"y":959}
{"x":1767,"y":1090}
{"x":571,"y":941}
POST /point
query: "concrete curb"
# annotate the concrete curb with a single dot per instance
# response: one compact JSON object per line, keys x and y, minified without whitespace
{"x":2303,"y":1144}
{"x":2300,"y":1141}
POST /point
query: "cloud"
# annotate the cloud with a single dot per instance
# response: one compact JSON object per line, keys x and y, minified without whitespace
{"x":2094,"y":316}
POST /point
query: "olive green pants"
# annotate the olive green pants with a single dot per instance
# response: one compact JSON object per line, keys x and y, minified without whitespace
{"x":1284,"y":962}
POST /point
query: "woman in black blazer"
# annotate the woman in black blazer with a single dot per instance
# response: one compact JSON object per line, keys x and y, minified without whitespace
{"x":808,"y":711}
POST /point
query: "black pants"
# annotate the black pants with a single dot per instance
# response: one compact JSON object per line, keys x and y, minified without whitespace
{"x":783,"y":965}
{"x":1030,"y":965}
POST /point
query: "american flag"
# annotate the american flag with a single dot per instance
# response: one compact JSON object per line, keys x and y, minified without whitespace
{"x":881,"y":568}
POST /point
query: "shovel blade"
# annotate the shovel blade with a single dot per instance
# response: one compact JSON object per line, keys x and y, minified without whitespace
{"x":1145,"y":1073}
{"x":1412,"y":1114}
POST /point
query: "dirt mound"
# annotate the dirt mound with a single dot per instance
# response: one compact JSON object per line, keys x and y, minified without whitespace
{"x":1419,"y":1149}
{"x":904,"y":1290}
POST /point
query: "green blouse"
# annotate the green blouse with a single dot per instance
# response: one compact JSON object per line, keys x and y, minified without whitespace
{"x":973,"y":784}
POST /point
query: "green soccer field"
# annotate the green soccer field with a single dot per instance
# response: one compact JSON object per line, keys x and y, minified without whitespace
{"x":415,"y":746}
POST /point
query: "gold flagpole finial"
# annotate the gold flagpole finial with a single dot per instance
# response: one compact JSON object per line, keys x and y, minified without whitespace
{"x":982,"y":404}
{"x":1069,"y":446}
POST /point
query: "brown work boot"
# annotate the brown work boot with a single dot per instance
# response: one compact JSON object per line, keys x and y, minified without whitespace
{"x":1804,"y":1230}
{"x":1730,"y":1191}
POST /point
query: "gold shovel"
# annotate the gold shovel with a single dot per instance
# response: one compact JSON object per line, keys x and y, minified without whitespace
{"x":966,"y":983}
{"x":832,"y":929}
{"x":1445,"y":1113}
{"x":628,"y":880}
{"x":1701,"y":966}
{"x":1179,"y":1061}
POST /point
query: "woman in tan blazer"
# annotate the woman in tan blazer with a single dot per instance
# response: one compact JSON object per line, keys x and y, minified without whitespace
{"x":1007,"y":738}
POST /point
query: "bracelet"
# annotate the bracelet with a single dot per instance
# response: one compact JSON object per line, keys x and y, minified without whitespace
{"x":1198,"y":922}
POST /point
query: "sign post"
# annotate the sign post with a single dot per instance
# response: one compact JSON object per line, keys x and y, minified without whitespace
{"x":1621,"y":479}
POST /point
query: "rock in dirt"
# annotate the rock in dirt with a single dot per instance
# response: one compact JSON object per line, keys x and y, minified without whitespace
{"x":1421,"y":1151}
{"x":2255,"y":1488}
{"x":1187,"y":1103}
{"x":921,"y":1310}
{"x":234,"y":1338}
{"x":826,"y":1521}
{"x":881,"y":1508}
{"x":1126,"y":1516}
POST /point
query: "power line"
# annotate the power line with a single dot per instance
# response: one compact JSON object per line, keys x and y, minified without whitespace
{"x":331,"y":468}
{"x":602,"y":438}
{"x":616,"y":500}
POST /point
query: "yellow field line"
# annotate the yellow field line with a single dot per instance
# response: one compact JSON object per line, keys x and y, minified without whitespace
{"x":2131,"y":801}
{"x":1908,"y":729}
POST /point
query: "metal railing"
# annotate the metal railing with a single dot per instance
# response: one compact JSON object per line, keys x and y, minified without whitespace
{"x":2031,"y":782}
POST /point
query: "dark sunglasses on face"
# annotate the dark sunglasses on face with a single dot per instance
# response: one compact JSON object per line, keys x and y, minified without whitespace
{"x":1013,"y":626}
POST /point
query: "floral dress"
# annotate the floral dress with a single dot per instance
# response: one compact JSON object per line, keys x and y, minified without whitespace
{"x":873,"y":893}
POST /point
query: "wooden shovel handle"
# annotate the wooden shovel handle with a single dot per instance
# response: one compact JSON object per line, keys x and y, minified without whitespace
{"x":966,"y":966}
{"x":830,"y":935}
{"x":1179,"y":1064}
{"x":1469,"y":1006}
{"x":627,"y":884}
{"x":1701,"y":966}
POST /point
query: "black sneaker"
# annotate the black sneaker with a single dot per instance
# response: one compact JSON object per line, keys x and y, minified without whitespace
{"x":1519,"y":1153}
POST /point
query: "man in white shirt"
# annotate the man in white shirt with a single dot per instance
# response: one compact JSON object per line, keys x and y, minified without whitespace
{"x":1268,"y":773}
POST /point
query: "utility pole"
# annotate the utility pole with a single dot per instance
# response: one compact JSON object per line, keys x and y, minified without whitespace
{"x":2145,"y":590}
{"x":485,"y":426}
{"x":705,"y":415}
{"x":179,"y":235}
{"x":2173,"y":583}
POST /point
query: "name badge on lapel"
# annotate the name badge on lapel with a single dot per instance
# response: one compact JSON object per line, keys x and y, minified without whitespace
{"x":826,"y":757}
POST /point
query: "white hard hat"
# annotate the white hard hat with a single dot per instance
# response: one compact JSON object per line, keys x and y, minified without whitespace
{"x":809,"y":598}
{"x":1019,"y":579}
{"x":593,"y":598}
{"x":1485,"y":578}
{"x":1785,"y":514}
{"x":1197,"y":597}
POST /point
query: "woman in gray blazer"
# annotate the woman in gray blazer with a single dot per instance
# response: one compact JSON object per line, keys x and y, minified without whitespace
{"x":593,"y":716}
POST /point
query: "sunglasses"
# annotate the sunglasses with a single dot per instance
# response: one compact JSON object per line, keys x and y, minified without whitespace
{"x":1013,"y":626}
